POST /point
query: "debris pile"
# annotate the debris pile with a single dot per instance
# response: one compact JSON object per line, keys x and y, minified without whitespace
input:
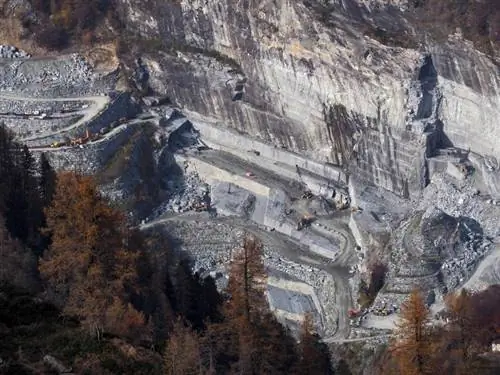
{"x":11,"y":52}
{"x":187,"y":194}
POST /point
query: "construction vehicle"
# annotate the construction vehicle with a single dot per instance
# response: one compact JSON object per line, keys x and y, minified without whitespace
{"x":57,"y":144}
{"x":307,"y":195}
{"x":81,"y":140}
{"x":353,"y":313}
{"x":305,"y":221}
{"x":200,"y":206}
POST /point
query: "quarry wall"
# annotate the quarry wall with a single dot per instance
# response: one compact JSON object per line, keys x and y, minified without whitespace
{"x":317,"y":89}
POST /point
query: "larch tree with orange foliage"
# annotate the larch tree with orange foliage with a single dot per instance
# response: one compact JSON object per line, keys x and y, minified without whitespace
{"x":247,"y":281}
{"x":313,"y":355}
{"x":461,"y":323}
{"x":252,"y":334}
{"x":412,"y":348}
{"x":88,"y":267}
{"x":246,"y":287}
{"x":182,"y":354}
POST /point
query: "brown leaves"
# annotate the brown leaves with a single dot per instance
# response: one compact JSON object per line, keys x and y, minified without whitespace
{"x":412,"y":349}
{"x":88,"y":265}
{"x":182,"y":355}
{"x":247,"y":281}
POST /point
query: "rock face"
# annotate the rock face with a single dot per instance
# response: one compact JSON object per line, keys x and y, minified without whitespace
{"x":306,"y":78}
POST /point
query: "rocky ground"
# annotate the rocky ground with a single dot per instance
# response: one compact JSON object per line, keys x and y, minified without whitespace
{"x":11,"y":52}
{"x":205,"y":201}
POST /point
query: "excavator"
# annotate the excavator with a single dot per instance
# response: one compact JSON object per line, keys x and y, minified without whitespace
{"x":57,"y":144}
{"x":307,"y":195}
{"x":81,"y":140}
{"x":305,"y":221}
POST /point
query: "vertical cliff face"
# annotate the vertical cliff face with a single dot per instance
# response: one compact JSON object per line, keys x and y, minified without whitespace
{"x":303,"y":76}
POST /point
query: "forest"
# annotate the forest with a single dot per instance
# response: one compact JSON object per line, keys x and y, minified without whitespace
{"x":80,"y":284}
{"x":77,"y":282}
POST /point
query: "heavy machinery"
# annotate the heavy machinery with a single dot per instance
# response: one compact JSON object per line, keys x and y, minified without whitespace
{"x":81,"y":140}
{"x":57,"y":144}
{"x":353,"y":313}
{"x":305,"y":221}
{"x":200,"y":207}
{"x":307,"y":195}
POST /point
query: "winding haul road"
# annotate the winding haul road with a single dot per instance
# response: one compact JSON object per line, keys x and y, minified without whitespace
{"x":288,"y":248}
{"x":291,"y":250}
{"x":98,"y":104}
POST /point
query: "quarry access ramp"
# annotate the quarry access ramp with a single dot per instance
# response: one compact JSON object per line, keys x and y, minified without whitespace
{"x":99,"y":104}
{"x":343,"y":297}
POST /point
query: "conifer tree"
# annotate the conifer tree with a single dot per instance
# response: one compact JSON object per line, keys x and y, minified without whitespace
{"x":247,"y":282}
{"x":47,"y":181}
{"x":461,"y":323}
{"x":6,"y":166}
{"x":313,"y":356}
{"x":412,"y":348}
{"x":182,"y":354}
{"x":19,"y":195}
{"x":88,"y":264}
{"x":17,"y":264}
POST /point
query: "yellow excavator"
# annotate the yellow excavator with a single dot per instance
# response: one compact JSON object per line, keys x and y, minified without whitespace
{"x":57,"y":144}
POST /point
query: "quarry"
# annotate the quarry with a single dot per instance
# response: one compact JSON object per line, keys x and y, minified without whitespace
{"x":334,"y":172}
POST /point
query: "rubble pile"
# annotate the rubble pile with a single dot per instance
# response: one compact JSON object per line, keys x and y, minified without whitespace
{"x":457,"y":270}
{"x":186,"y":194}
{"x":11,"y":52}
{"x":231,"y":200}
{"x":436,"y":251}
{"x":36,"y":76}
{"x":209,"y":243}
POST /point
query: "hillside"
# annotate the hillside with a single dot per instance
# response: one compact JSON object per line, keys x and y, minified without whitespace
{"x":249,"y":187}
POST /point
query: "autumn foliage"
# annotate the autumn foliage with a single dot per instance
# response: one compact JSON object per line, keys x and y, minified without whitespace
{"x":412,"y":347}
{"x":247,"y":282}
{"x":460,"y":344}
{"x":248,"y":339}
{"x":89,"y":267}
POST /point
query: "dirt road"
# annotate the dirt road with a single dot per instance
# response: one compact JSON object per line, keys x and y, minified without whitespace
{"x":293,"y":251}
{"x":98,"y":104}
